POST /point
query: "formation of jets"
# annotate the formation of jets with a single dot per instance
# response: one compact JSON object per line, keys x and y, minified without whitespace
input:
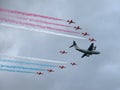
{"x":83,"y":33}
{"x":86,"y":52}
{"x":61,"y":67}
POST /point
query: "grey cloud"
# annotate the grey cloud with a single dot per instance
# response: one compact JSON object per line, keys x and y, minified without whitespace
{"x":100,"y":18}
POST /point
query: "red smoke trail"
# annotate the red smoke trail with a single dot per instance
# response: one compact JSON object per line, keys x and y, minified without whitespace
{"x":36,"y":20}
{"x":49,"y":23}
{"x":35,"y":25}
{"x":29,"y":14}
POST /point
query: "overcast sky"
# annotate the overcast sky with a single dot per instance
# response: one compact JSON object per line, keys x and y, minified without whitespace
{"x":101,"y":18}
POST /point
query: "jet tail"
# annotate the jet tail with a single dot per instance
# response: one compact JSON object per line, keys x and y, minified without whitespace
{"x":74,"y":44}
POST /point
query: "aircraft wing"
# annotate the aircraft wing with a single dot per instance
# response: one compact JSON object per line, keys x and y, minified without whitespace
{"x":91,"y":47}
{"x":83,"y":55}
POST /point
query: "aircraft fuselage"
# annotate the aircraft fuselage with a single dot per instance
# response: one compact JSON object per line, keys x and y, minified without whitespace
{"x":87,"y":51}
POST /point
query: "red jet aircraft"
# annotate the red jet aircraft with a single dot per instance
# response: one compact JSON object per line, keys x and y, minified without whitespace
{"x":73,"y":63}
{"x":91,"y":39}
{"x":63,"y":52}
{"x":62,"y":67}
{"x":77,"y":27}
{"x":50,"y":70}
{"x":85,"y":33}
{"x":39,"y":73}
{"x":70,"y":21}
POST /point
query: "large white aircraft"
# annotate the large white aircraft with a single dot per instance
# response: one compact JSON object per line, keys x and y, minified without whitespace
{"x":87,"y":52}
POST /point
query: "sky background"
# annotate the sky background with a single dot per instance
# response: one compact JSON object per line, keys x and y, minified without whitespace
{"x":98,"y":72}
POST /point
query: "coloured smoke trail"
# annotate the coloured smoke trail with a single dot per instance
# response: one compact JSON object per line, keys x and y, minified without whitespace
{"x":35,"y":25}
{"x":29,"y":14}
{"x":40,"y":31}
{"x":31,"y":59}
{"x":20,"y":71}
{"x":24,"y":66}
{"x":27,"y":19}
{"x":33,"y":20}
{"x":21,"y":67}
{"x":27,"y":63}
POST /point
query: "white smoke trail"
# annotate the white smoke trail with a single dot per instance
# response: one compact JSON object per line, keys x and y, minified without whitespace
{"x":36,"y":30}
{"x":31,"y":59}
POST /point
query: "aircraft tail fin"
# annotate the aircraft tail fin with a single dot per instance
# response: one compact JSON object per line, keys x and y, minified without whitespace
{"x":74,"y":44}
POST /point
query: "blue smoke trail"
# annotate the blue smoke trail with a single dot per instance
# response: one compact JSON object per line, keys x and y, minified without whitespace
{"x":20,"y":67}
{"x":16,"y":71}
{"x":29,"y":63}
